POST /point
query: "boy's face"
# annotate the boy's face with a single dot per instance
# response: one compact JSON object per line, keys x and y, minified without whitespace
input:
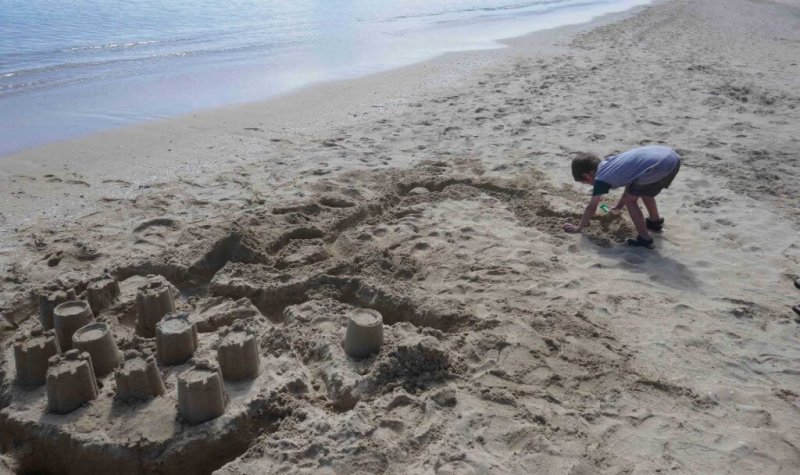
{"x":588,"y":178}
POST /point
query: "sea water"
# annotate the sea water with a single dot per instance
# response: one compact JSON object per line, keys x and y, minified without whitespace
{"x":72,"y":67}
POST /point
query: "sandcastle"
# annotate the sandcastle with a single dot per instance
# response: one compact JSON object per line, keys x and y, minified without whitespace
{"x":70,"y":382}
{"x":153,"y":301}
{"x":102,"y":293}
{"x":176,"y":339}
{"x":96,"y":339}
{"x":138,"y":377}
{"x":364,"y":333}
{"x":31,"y":355}
{"x":201,"y":395}
{"x":67,"y":318}
{"x":238,"y":354}
{"x":48,"y":303}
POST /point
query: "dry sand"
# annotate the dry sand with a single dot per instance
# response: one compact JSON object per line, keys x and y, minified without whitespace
{"x":435,"y":195}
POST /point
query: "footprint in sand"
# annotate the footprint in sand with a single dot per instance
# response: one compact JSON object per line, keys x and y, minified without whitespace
{"x":117,"y":182}
{"x":156,"y":222}
{"x":681,"y":329}
{"x":336,"y":201}
{"x":79,"y":182}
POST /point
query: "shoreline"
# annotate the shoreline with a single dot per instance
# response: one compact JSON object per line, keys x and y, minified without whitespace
{"x":410,"y":76}
{"x":127,"y":121}
{"x":510,"y":346}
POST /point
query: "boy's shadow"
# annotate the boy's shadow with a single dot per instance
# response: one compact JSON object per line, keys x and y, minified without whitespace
{"x":659,"y":268}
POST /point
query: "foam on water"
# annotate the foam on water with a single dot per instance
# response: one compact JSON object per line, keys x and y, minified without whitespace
{"x":72,"y":67}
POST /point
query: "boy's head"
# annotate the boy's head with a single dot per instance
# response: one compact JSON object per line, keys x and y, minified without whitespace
{"x":584,"y":167}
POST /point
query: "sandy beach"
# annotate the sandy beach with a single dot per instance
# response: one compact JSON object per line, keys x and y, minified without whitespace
{"x":435,"y":194}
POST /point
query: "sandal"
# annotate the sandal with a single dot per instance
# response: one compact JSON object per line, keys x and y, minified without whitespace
{"x":640,"y":242}
{"x":654,"y":225}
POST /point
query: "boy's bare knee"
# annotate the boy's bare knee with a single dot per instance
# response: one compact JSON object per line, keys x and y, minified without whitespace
{"x":629,"y":199}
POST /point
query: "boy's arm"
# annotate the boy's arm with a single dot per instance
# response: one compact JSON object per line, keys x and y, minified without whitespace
{"x":591,"y":208}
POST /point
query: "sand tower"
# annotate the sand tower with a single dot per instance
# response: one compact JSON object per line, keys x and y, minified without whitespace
{"x":153,"y":301}
{"x":67,"y":318}
{"x":102,"y":293}
{"x":364,"y":333}
{"x":176,"y":339}
{"x":201,"y":396}
{"x":238,"y":354}
{"x":31,"y":355}
{"x":48,"y":303}
{"x":70,"y":382}
{"x":96,"y":339}
{"x":138,"y":377}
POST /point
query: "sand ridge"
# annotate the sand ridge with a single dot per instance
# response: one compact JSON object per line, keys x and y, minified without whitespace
{"x":509,"y":346}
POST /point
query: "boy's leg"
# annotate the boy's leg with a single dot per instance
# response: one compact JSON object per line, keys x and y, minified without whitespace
{"x":652,"y":209}
{"x":631,"y":202}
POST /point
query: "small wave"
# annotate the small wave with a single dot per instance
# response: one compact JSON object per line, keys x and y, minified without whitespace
{"x":509,"y":7}
{"x":64,"y":73}
{"x":109,"y":46}
{"x":500,"y":13}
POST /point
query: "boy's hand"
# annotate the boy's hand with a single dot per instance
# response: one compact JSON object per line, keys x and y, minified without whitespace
{"x":571,"y":228}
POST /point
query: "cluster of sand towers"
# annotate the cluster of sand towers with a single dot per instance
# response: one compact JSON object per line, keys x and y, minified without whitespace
{"x":71,"y":350}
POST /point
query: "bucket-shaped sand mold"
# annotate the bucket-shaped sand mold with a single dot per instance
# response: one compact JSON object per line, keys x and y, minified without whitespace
{"x":364,"y":333}
{"x":102,"y":293}
{"x":237,"y":355}
{"x":96,"y":339}
{"x":176,"y":339}
{"x":138,"y":378}
{"x":70,"y":382}
{"x":31,"y":355}
{"x":153,"y":301}
{"x":67,"y":318}
{"x":48,"y":302}
{"x":201,"y":396}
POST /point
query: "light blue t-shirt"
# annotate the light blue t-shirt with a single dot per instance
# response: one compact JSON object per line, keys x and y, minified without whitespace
{"x":642,"y":165}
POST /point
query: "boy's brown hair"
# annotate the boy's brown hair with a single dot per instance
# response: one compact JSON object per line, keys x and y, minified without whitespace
{"x":584,"y":163}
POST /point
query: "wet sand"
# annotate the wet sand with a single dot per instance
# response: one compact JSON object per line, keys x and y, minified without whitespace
{"x":435,"y":194}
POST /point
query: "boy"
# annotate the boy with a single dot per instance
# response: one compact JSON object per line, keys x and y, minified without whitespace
{"x":643,"y":171}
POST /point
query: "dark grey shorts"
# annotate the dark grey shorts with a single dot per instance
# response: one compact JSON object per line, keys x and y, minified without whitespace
{"x":653,"y":189}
